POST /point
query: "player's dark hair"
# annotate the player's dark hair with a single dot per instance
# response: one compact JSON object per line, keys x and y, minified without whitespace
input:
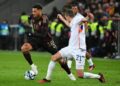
{"x":38,"y":6}
{"x":73,"y":4}
{"x":68,"y":12}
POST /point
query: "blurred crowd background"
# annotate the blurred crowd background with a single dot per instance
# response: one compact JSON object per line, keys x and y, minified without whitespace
{"x":102,"y":35}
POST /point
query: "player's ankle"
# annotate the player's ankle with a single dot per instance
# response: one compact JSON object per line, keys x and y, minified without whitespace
{"x":72,"y":77}
{"x":34,"y":69}
{"x":33,"y":65}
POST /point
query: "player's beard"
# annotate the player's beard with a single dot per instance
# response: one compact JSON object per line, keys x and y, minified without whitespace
{"x":37,"y":18}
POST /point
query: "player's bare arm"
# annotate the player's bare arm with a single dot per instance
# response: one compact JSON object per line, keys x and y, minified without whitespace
{"x":63,"y":19}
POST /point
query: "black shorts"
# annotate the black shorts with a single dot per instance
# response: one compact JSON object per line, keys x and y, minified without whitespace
{"x":48,"y":45}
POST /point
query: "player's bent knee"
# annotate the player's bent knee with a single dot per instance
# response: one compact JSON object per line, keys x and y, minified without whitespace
{"x":80,"y":74}
{"x":56,"y":57}
{"x":88,"y":55}
{"x":26,"y":47}
{"x":23,"y":49}
{"x":53,"y":58}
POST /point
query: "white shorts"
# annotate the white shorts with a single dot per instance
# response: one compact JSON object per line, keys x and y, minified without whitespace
{"x":77,"y":54}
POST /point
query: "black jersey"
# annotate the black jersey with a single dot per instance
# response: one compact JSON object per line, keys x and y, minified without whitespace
{"x":40,"y":27}
{"x":41,"y":36}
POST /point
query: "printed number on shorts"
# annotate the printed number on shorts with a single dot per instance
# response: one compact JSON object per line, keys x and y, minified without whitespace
{"x":79,"y":57}
{"x":52,"y":43}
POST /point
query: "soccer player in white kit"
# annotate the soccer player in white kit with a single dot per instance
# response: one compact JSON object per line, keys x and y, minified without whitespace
{"x":90,"y":16}
{"x":76,"y":48}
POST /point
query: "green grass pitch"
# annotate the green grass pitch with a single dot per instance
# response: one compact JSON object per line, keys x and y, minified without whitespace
{"x":13,"y":67}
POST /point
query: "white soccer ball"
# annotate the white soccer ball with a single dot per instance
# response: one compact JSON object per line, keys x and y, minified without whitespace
{"x":29,"y":75}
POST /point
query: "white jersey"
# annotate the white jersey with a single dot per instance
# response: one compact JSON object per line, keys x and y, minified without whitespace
{"x":77,"y":46}
{"x":77,"y":38}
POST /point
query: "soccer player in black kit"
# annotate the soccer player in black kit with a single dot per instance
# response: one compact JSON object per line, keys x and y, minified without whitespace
{"x":41,"y":37}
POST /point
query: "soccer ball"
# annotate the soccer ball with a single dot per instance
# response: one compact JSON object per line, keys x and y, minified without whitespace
{"x":29,"y":75}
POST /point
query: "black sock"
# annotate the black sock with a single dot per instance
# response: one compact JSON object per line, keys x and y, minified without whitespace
{"x":65,"y":67}
{"x":28,"y":57}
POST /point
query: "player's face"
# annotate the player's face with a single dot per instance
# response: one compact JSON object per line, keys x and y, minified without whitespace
{"x":36,"y":12}
{"x":74,"y":9}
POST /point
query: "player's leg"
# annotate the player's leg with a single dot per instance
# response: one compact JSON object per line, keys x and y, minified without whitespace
{"x":64,"y":65}
{"x":52,"y":48}
{"x":69,"y":63}
{"x":89,"y":60}
{"x":55,"y":57}
{"x":80,"y":62}
{"x":82,"y":74}
{"x":26,"y":47}
{"x":51,"y":66}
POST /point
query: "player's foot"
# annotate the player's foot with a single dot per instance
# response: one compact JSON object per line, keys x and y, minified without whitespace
{"x":101,"y":79}
{"x":91,"y":67}
{"x":44,"y":81}
{"x":72,"y":77}
{"x":34,"y":69}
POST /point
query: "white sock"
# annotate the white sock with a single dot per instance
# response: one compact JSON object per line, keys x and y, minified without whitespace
{"x":51,"y":66}
{"x":91,"y":75}
{"x":71,"y":76}
{"x":90,"y":62}
{"x":32,"y":65}
{"x":69,"y":63}
{"x":34,"y":69}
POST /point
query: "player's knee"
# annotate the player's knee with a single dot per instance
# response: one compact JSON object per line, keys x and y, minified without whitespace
{"x":26,"y":47}
{"x":56,"y":57}
{"x":88,"y":55}
{"x":53,"y":58}
{"x":23,"y":49}
{"x":80,"y":74}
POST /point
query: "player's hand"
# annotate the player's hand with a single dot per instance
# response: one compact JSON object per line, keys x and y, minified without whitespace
{"x":91,"y":16}
{"x":60,"y":16}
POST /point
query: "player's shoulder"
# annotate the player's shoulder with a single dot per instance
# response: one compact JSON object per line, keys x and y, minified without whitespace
{"x":44,"y":16}
{"x":80,"y":15}
{"x":77,"y":18}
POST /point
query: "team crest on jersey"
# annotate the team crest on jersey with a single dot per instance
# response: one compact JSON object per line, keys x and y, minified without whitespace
{"x":81,"y":27}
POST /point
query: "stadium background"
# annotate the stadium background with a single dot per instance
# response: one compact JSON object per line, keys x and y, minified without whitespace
{"x":103,"y":38}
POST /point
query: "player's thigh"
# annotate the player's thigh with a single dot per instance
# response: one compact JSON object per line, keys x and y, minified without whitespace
{"x":56,"y":57}
{"x":66,"y":53}
{"x":26,"y":47}
{"x":79,"y":57}
{"x":50,"y":46}
{"x":80,"y":73}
